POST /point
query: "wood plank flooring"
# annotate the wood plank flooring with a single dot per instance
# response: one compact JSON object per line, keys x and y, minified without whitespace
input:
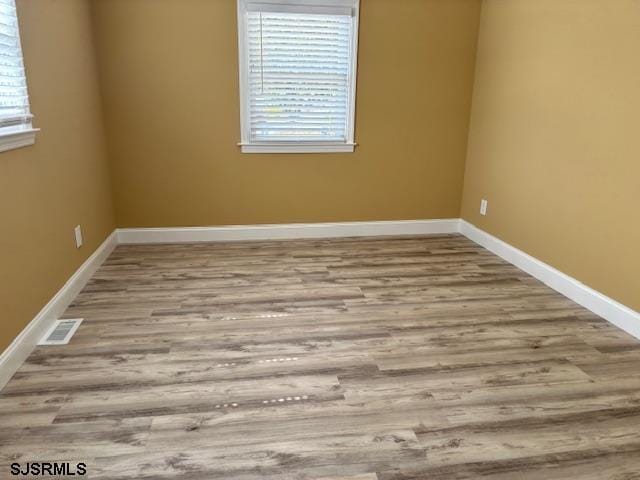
{"x":347,"y":359}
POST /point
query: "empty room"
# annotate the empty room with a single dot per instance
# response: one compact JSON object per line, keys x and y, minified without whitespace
{"x":320,"y":239}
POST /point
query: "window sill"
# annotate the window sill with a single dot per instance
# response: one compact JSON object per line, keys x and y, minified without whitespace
{"x":297,"y":147}
{"x":17,"y":139}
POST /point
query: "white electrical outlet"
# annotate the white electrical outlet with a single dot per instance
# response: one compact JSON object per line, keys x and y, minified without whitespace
{"x":78,"y":232}
{"x":483,"y":207}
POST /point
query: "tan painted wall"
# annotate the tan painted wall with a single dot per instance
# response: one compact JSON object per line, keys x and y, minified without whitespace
{"x":62,"y":181}
{"x":169,"y":77}
{"x":554,"y":142}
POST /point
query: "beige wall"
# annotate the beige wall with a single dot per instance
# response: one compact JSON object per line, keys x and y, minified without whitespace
{"x":62,"y":181}
{"x":554,"y":142}
{"x":169,"y":76}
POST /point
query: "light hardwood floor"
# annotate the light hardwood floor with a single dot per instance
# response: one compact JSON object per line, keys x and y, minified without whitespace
{"x":351,"y":359}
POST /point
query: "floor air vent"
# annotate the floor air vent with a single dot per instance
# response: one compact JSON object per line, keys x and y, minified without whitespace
{"x":61,"y":332}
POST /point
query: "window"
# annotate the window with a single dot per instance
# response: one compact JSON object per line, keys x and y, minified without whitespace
{"x":15,"y":116}
{"x":297,"y":75}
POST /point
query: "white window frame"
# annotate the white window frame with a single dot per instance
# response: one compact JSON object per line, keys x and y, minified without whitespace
{"x":23,"y":135}
{"x":248,"y":146}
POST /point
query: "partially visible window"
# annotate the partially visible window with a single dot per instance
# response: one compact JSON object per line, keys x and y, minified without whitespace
{"x":298,"y":75}
{"x":15,"y":116}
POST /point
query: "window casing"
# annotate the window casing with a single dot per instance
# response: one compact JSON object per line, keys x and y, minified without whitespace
{"x":16,"y":129}
{"x":298,"y":63}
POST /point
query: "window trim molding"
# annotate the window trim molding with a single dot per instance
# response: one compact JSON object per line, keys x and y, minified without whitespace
{"x":248,"y":146}
{"x":297,"y":147}
{"x":17,"y":139}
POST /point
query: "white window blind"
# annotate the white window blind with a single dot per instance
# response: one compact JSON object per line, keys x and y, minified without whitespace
{"x":298,"y":75}
{"x":15,"y":115}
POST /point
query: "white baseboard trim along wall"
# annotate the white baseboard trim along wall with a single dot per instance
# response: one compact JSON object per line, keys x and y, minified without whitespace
{"x":286,"y":231}
{"x":22,"y":346}
{"x":616,"y":313}
{"x":621,"y":316}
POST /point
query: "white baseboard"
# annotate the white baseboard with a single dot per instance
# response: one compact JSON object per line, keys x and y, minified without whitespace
{"x":22,"y":346}
{"x":286,"y":231}
{"x":620,"y":315}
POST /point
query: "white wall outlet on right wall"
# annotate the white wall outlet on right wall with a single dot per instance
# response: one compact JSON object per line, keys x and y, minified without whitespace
{"x":483,"y":207}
